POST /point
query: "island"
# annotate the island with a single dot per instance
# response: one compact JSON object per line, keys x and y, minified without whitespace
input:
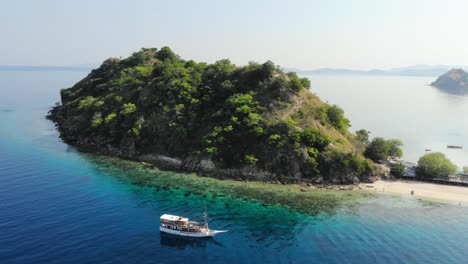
{"x":454,"y":81}
{"x":252,"y":122}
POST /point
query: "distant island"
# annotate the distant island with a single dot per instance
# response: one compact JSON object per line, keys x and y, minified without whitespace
{"x":252,"y":122}
{"x":417,"y":70}
{"x":454,"y":81}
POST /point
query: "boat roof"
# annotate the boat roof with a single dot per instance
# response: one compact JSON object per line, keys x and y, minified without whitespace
{"x":169,"y":217}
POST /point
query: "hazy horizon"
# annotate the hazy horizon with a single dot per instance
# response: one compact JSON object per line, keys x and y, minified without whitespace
{"x":300,"y":34}
{"x":97,"y":64}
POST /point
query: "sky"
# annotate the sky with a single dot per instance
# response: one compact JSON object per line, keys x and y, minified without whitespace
{"x":302,"y":34}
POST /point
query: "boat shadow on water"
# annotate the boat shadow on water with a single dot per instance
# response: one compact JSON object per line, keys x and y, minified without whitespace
{"x":180,"y":242}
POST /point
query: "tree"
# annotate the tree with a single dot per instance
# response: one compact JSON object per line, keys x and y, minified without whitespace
{"x":296,"y":83}
{"x":465,"y":169}
{"x":166,"y":53}
{"x":394,"y":146}
{"x":435,"y":165}
{"x":398,"y":170}
{"x":363,"y":136}
{"x":268,"y":69}
{"x":380,"y":149}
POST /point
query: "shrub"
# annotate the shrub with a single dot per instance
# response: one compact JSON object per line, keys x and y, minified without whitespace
{"x":250,"y":159}
{"x":211,"y":150}
{"x":274,"y":139}
{"x":87,"y":102}
{"x":314,"y":138}
{"x":144,"y":71}
{"x":110,"y":117}
{"x":138,"y":124}
{"x":338,"y":162}
{"x":96,"y":122}
{"x":337,"y":119}
{"x":99,"y":104}
{"x":128,"y":109}
{"x":296,"y":84}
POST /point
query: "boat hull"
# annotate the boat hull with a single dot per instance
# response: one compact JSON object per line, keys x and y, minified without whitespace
{"x":208,"y":233}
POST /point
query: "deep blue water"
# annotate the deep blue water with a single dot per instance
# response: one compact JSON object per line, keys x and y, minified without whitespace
{"x":58,"y":205}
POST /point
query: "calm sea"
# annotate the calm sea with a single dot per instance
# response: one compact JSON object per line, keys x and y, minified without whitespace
{"x":58,"y":205}
{"x":406,"y":108}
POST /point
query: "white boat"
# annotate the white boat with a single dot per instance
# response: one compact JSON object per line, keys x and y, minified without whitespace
{"x":182,"y":226}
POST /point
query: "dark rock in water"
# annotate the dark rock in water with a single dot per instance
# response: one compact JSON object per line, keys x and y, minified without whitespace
{"x":454,"y":81}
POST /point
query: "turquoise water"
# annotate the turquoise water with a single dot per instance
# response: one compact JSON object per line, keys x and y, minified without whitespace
{"x":407,"y":108}
{"x":58,"y":205}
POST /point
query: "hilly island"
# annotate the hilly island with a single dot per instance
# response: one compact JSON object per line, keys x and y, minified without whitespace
{"x":253,"y":122}
{"x":454,"y":81}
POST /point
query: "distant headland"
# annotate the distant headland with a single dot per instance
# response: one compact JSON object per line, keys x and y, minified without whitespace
{"x":454,"y":81}
{"x":415,"y":71}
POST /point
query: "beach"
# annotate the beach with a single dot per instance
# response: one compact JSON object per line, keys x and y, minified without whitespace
{"x":437,"y":192}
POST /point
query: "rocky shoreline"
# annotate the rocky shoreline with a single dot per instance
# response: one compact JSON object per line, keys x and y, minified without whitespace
{"x":204,"y":166}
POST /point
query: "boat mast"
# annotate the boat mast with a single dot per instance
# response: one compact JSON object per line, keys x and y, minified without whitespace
{"x":206,"y":218}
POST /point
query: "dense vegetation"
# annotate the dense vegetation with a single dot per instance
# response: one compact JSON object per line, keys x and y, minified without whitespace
{"x":435,"y":165}
{"x":254,"y":115}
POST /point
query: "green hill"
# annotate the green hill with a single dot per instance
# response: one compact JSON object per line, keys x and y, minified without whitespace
{"x":221,"y":120}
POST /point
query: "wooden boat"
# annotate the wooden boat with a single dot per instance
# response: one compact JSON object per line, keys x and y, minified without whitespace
{"x":454,"y":147}
{"x":182,"y":226}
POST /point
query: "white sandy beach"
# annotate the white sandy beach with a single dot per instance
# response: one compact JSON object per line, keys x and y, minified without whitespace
{"x":453,"y":194}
